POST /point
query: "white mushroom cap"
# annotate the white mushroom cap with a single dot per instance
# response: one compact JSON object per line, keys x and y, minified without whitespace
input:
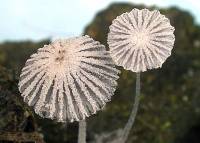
{"x":141,"y":40}
{"x":69,"y":80}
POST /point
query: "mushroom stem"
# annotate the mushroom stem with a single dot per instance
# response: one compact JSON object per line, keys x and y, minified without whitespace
{"x":131,"y":120}
{"x":82,"y":132}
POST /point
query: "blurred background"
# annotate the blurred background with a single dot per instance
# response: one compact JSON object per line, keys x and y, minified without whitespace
{"x":170,"y":106}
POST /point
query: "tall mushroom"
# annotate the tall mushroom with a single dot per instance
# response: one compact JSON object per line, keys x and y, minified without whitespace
{"x":68,"y":80}
{"x":140,"y":40}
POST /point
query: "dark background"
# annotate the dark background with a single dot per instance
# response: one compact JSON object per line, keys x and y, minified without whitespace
{"x":170,"y":106}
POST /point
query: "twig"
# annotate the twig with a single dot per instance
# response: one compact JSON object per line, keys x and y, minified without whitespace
{"x":21,"y":137}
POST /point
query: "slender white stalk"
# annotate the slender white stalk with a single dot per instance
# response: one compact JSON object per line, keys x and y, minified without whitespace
{"x":82,"y":132}
{"x":131,"y":120}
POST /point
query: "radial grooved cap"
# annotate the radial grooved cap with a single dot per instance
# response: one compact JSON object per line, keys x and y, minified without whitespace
{"x":69,"y":80}
{"x":141,"y":40}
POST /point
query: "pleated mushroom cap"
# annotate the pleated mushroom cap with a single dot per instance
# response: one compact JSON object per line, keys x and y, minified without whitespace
{"x":69,"y":80}
{"x":141,"y":40}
